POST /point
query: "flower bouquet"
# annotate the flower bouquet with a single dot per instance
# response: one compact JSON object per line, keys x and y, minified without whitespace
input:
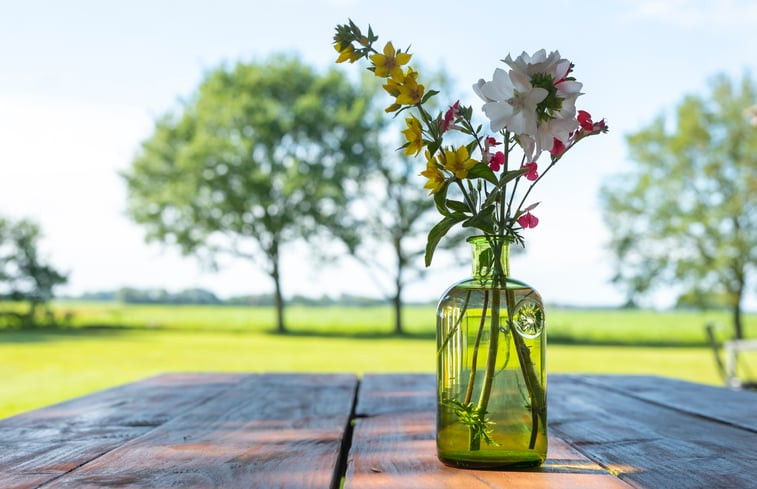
{"x":491,"y":402}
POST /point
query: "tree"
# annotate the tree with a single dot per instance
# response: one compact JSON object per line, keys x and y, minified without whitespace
{"x":401,"y":223}
{"x":24,"y":275}
{"x":256,"y":159}
{"x":687,"y":213}
{"x":405,"y":213}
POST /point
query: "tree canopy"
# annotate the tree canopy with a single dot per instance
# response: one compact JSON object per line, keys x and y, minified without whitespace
{"x":24,"y":274}
{"x":263,"y":154}
{"x":686,"y":213}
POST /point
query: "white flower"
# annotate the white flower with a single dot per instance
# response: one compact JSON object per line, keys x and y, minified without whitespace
{"x":534,"y":100}
{"x":511,"y":101}
{"x":538,"y":63}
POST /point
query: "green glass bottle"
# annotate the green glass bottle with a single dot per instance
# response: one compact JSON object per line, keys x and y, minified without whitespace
{"x":491,"y":376}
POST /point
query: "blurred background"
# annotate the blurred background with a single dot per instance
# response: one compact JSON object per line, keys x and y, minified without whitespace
{"x":89,"y":90}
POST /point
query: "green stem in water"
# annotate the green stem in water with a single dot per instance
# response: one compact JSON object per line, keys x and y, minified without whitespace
{"x":474,"y":356}
{"x":491,"y":362}
{"x":533,"y":384}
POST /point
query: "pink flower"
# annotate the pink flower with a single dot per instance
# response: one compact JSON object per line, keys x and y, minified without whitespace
{"x":531,"y":174}
{"x":497,"y":160}
{"x":490,"y":141}
{"x":449,"y":116}
{"x":558,"y":148}
{"x":528,"y":220}
{"x":584,"y":118}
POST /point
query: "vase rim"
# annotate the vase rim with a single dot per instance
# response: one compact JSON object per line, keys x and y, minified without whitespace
{"x":479,"y":237}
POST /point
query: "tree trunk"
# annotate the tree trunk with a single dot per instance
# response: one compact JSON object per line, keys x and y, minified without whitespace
{"x":735,"y":293}
{"x":278,"y":298}
{"x":738,"y":328}
{"x":32,"y":314}
{"x":397,"y":299}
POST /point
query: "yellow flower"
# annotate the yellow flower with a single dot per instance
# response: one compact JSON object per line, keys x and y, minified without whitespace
{"x":388,"y":64}
{"x":414,"y":136}
{"x":458,"y":161}
{"x":392,"y":86}
{"x":347,"y":54}
{"x":393,"y":108}
{"x":411,"y":92}
{"x":435,"y":177}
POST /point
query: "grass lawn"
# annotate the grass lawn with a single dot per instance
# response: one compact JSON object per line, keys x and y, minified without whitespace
{"x":109,"y":344}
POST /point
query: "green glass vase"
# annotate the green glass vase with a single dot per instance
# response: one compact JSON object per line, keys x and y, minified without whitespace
{"x":491,"y":376}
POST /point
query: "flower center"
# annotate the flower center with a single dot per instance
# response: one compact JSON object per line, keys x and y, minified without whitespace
{"x":551,"y":103}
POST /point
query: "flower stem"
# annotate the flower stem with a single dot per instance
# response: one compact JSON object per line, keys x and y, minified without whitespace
{"x":474,"y":356}
{"x":491,"y":358}
{"x":533,"y":385}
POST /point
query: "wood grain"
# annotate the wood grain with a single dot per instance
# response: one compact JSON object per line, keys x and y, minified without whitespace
{"x":393,"y":446}
{"x":270,"y":431}
{"x":41,"y":445}
{"x":649,"y":444}
{"x":731,"y":406}
{"x":287,"y":431}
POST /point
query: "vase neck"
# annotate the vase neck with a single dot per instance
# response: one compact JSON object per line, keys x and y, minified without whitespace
{"x":484,"y":250}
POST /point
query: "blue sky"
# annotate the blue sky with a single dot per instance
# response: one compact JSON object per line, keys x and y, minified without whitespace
{"x":82,"y":83}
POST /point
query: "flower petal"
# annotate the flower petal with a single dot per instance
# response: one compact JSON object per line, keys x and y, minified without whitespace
{"x":498,"y":113}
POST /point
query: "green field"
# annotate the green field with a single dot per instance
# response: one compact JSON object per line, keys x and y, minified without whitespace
{"x":105,"y":344}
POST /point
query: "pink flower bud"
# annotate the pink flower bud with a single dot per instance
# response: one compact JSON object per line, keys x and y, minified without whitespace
{"x":558,"y":148}
{"x":528,"y":220}
{"x":497,"y":160}
{"x":532,"y":173}
{"x":449,"y":116}
{"x":584,"y":118}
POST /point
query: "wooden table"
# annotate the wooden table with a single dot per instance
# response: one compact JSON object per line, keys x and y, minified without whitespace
{"x":303,"y":431}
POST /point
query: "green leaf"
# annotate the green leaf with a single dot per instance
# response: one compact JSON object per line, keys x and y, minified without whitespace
{"x":482,"y":170}
{"x":511,"y":175}
{"x":503,"y":179}
{"x":483,"y":220}
{"x":437,"y":233}
{"x":433,"y":147}
{"x":457,"y":206}
{"x":401,"y":109}
{"x":440,"y":199}
{"x":471,"y":147}
{"x":428,"y":95}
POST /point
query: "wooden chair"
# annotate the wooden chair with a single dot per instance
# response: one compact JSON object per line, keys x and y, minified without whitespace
{"x":727,"y":372}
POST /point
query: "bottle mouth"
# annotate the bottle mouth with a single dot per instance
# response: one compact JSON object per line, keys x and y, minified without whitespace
{"x":474,"y":238}
{"x":480,"y":237}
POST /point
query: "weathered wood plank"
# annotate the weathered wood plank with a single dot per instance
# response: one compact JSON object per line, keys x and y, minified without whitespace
{"x":270,"y":431}
{"x":396,"y":393}
{"x":393,"y":446}
{"x":648,"y":444}
{"x":40,"y":445}
{"x":736,"y":407}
